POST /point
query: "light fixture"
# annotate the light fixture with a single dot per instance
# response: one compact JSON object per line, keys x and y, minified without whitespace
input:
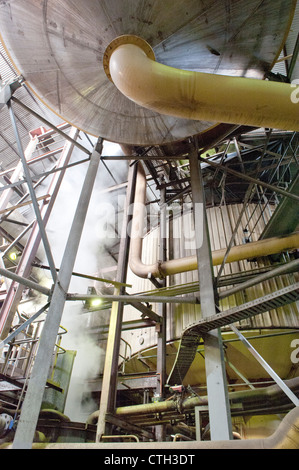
{"x":95,"y":302}
{"x":13,"y":255}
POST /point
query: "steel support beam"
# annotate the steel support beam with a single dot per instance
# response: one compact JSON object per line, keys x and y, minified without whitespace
{"x":24,"y":325}
{"x":135,"y":298}
{"x":219,"y":410}
{"x":49,"y":124}
{"x":161,"y":327}
{"x":266,"y":366}
{"x":32,"y":193}
{"x":244,"y":176}
{"x":292,"y":266}
{"x":24,"y":267}
{"x":24,"y":282}
{"x":33,"y":399}
{"x":110,"y":375}
{"x":15,"y":177}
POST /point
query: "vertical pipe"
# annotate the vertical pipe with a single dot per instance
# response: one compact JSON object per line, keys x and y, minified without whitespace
{"x":219,"y":412}
{"x":33,"y":399}
{"x":110,"y":376}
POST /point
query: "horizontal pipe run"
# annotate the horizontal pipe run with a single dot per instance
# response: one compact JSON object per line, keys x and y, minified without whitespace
{"x":286,"y":436}
{"x":200,"y":96}
{"x":134,"y":298}
{"x":251,"y":250}
{"x":248,"y":399}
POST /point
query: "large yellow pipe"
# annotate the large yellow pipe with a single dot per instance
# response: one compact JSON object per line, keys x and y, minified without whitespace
{"x":196,"y":95}
{"x":251,"y":250}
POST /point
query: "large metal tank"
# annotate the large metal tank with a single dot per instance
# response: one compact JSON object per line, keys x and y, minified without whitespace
{"x":272,"y":331}
{"x":58,"y":47}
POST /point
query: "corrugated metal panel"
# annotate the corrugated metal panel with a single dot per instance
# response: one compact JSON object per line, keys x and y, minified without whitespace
{"x":222,"y":221}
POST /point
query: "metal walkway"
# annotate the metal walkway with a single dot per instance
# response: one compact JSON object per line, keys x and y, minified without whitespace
{"x":192,"y":335}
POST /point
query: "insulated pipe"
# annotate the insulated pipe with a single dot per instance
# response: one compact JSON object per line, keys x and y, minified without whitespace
{"x":286,"y":436}
{"x":251,"y":400}
{"x":266,"y":247}
{"x":129,"y":63}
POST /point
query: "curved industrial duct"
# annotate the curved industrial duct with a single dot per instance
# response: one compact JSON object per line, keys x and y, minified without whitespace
{"x":160,"y":269}
{"x":194,"y":95}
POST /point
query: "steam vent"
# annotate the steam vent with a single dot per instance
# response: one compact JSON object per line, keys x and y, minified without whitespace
{"x":149,"y":224}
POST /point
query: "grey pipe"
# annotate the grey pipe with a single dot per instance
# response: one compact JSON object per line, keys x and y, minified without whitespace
{"x":249,"y":398}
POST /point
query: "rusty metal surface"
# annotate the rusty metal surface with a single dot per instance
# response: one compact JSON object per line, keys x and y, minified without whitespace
{"x":59,"y":47}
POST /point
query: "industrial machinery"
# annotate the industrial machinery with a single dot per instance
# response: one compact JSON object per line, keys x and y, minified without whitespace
{"x":170,"y":316}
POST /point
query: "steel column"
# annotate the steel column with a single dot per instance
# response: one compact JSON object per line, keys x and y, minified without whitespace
{"x":33,"y":399}
{"x":110,"y":376}
{"x":219,"y":411}
{"x":161,"y":327}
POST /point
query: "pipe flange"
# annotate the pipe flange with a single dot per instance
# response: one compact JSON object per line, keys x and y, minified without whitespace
{"x":125,"y":39}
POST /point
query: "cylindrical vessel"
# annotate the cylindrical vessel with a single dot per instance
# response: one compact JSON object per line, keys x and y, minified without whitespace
{"x":221,"y":220}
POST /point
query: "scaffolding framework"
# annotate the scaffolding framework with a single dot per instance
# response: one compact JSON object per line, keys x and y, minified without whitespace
{"x":169,"y":179}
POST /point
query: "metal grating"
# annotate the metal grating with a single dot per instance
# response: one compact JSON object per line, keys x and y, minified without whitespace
{"x":193,"y":334}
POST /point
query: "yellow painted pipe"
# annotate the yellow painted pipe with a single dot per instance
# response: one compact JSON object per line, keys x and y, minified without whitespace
{"x":129,"y":63}
{"x":251,"y":250}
